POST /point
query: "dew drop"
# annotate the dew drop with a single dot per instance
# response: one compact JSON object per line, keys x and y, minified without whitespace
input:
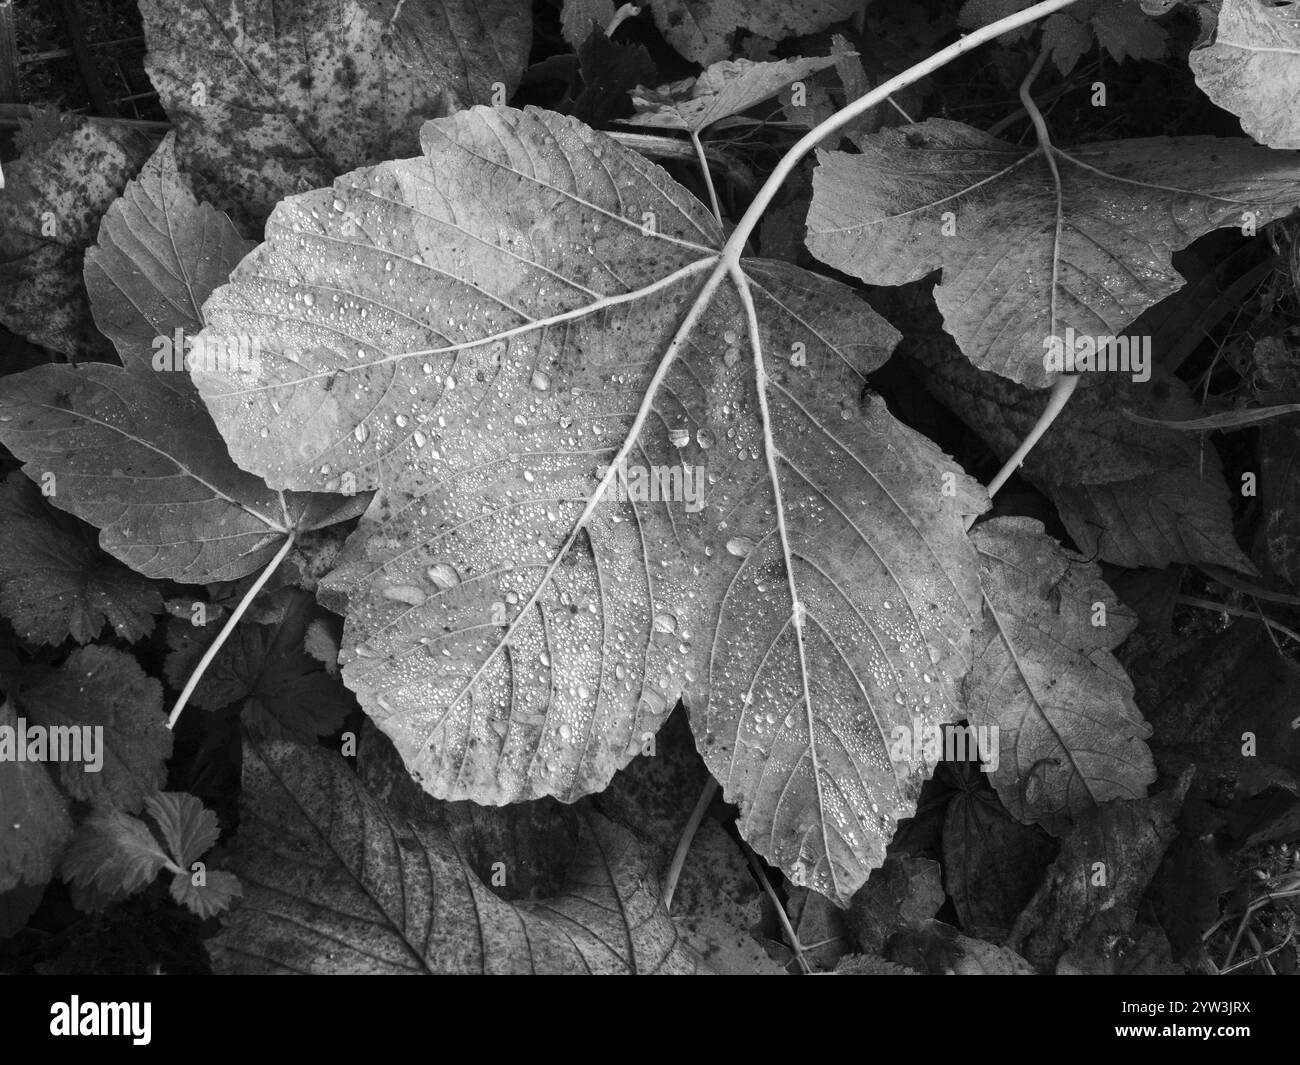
{"x":665,"y":623}
{"x":405,"y":593}
{"x":540,"y":381}
{"x":740,"y":546}
{"x":442,"y":575}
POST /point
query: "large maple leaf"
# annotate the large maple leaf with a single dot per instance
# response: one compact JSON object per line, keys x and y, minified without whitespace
{"x":612,"y":469}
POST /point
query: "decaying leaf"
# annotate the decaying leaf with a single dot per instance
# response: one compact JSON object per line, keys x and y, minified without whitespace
{"x":50,"y":206}
{"x":335,"y":882}
{"x":1252,"y":68}
{"x":498,"y":336}
{"x":1105,"y":863}
{"x":725,"y":89}
{"x":1037,"y":249}
{"x":270,"y":97}
{"x":702,"y":30}
{"x":1069,"y":734}
{"x":131,"y":449}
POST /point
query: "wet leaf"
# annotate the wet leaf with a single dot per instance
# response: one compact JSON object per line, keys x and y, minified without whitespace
{"x":493,"y":350}
{"x":1252,"y":68}
{"x":270,"y":97}
{"x":131,"y":449}
{"x":335,"y":882}
{"x":1070,"y":736}
{"x":1011,"y":282}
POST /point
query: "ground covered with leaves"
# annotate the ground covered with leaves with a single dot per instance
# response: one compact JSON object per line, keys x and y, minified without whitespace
{"x":480,"y":494}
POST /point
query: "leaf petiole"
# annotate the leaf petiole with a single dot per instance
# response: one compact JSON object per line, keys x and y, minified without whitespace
{"x":229,"y":627}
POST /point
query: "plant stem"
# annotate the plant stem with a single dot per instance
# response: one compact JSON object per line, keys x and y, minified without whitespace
{"x":224,"y":634}
{"x":708,"y":178}
{"x":1061,"y":392}
{"x":749,"y":221}
{"x":684,"y":844}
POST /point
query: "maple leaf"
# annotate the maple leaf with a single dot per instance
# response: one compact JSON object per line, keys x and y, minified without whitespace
{"x":269,"y":97}
{"x":55,"y":583}
{"x":367,"y":890}
{"x":1070,"y":736}
{"x":51,"y":202}
{"x":104,"y":688}
{"x":1033,"y":243}
{"x":131,"y":449}
{"x":520,"y":317}
{"x":1252,"y":68}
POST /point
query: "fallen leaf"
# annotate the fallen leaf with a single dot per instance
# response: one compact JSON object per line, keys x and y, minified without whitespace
{"x":1129,"y":494}
{"x":270,"y":97}
{"x":1068,"y":734}
{"x":1105,"y":863}
{"x":131,"y":449}
{"x":1252,"y":68}
{"x":334,"y":882}
{"x":51,"y":203}
{"x":517,"y":620}
{"x":702,"y":30}
{"x":725,"y":89}
{"x":1026,"y":261}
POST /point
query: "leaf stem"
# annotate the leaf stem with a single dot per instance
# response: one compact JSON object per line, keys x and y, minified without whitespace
{"x":749,"y":221}
{"x":708,"y":178}
{"x":684,"y":844}
{"x":224,"y":634}
{"x":1061,"y":393}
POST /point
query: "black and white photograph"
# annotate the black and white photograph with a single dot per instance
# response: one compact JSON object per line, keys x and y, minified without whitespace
{"x":697,"y":487}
